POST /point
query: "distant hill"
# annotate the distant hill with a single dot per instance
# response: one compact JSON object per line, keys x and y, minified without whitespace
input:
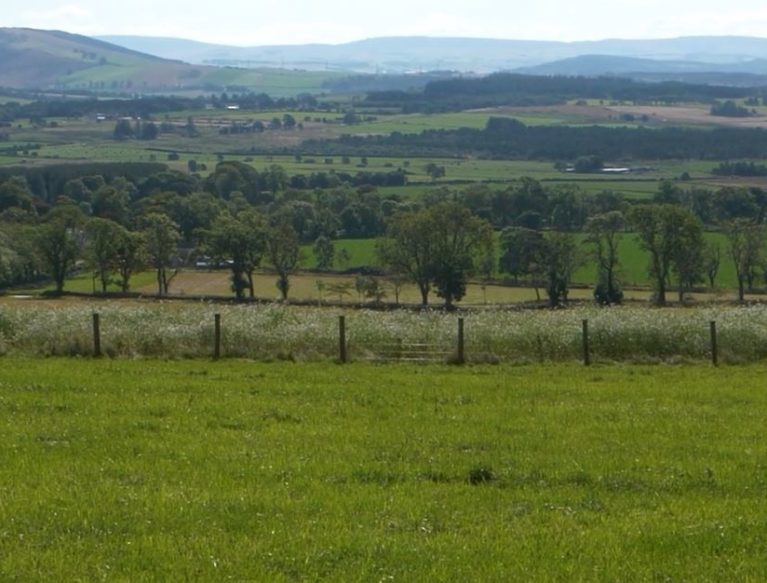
{"x":594,"y":65}
{"x":37,"y":59}
{"x":408,"y":54}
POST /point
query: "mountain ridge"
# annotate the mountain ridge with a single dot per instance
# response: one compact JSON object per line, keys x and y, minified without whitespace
{"x":401,"y":54}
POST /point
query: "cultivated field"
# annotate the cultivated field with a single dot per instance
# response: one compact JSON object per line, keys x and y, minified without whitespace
{"x":159,"y":470}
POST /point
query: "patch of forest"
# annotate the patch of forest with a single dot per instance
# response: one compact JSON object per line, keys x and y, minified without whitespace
{"x":524,"y":90}
{"x":506,"y":138}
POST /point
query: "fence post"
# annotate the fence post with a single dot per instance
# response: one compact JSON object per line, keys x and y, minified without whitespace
{"x":714,"y":346}
{"x":586,"y":350}
{"x":96,"y":335}
{"x":461,"y":342}
{"x":342,"y":339}
{"x":217,"y":337}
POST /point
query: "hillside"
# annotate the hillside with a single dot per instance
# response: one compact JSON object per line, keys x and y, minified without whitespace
{"x":595,"y":65}
{"x":407,"y":54}
{"x":37,"y":59}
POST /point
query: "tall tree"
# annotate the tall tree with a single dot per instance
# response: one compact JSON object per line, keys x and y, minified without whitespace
{"x":324,"y":252}
{"x":664,"y":230}
{"x":461,"y":241}
{"x":407,"y":250}
{"x":746,"y":241}
{"x":129,"y":257}
{"x":558,"y":257}
{"x":604,"y":237}
{"x":162,"y":236}
{"x":439,"y":246}
{"x":687,"y":260}
{"x":59,"y":241}
{"x":102,"y":241}
{"x":519,"y":247}
{"x":712,"y":259}
{"x":239,"y":241}
{"x":283,"y":252}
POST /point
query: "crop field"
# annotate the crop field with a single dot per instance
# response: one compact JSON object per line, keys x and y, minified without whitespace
{"x":418,"y":122}
{"x":159,"y":470}
{"x":496,"y":172}
{"x":691,"y":115}
{"x":85,"y":139}
{"x":598,"y":112}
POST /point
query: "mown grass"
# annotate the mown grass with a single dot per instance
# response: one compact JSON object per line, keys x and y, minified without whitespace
{"x":283,"y":472}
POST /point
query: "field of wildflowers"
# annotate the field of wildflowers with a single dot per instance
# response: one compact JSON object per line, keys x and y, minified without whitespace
{"x":277,"y":332}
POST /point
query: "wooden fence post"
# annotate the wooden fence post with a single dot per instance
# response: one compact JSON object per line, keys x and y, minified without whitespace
{"x":217,"y":337}
{"x":342,"y":339}
{"x":96,"y":335}
{"x":586,"y":349}
{"x":461,"y":342}
{"x":714,"y":346}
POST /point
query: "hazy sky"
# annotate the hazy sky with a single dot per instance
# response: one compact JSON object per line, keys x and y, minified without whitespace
{"x":258,"y":22}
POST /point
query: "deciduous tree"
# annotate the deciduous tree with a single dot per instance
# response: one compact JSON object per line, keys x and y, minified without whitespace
{"x":59,"y":241}
{"x":604,"y":237}
{"x":664,"y":231}
{"x":746,"y":241}
{"x":162,"y":236}
{"x":283,"y":251}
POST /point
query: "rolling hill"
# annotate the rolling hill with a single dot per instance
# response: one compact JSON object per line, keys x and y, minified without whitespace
{"x":408,"y":54}
{"x":595,"y":65}
{"x":37,"y":59}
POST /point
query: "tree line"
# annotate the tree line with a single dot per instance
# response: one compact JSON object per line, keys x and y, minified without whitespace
{"x":525,"y":90}
{"x":509,"y":139}
{"x":42,"y":107}
{"x":241,"y":217}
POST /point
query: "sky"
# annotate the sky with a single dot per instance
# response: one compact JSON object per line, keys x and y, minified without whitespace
{"x":264,"y":22}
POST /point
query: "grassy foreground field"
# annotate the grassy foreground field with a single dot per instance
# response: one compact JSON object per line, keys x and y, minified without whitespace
{"x":281,"y":472}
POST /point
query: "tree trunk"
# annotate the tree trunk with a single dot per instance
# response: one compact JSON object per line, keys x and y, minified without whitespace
{"x":741,"y":290}
{"x":159,"y":281}
{"x":284,"y":286}
{"x":660,"y":297}
{"x":424,"y":289}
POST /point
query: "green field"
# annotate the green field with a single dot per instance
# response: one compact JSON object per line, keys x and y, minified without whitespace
{"x":87,"y":140}
{"x":633,"y":268}
{"x":158,"y":470}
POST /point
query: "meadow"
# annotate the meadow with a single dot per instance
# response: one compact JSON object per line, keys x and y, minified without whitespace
{"x":266,"y":332}
{"x":158,"y":470}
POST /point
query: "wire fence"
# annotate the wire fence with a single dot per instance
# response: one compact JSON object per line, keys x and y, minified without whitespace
{"x":733,"y":335}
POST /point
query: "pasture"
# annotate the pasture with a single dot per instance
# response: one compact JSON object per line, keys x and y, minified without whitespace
{"x":160,"y":470}
{"x":84,"y":139}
